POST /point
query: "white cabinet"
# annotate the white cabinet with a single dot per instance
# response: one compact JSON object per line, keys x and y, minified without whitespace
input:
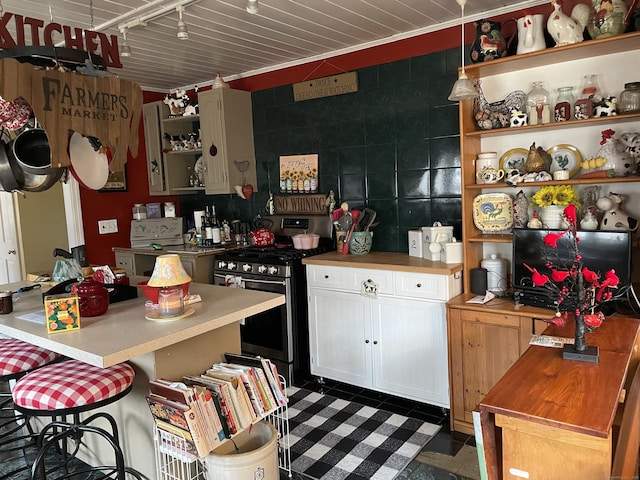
{"x":152,"y":115}
{"x":224,"y":156}
{"x":381,"y":329}
{"x":227,"y":139}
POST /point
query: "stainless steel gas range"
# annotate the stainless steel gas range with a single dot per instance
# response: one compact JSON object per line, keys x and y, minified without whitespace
{"x":280,"y":334}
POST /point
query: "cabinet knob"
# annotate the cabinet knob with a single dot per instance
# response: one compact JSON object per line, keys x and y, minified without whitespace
{"x":366,"y":341}
{"x":419,"y":285}
{"x":375,"y":342}
{"x":326,"y":276}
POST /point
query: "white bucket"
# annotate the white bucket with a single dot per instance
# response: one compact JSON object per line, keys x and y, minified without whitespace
{"x":257,"y":457}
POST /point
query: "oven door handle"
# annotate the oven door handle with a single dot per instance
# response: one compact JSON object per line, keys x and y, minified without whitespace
{"x":253,"y":280}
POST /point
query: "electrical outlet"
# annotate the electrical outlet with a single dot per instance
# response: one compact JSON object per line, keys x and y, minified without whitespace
{"x":108,"y":226}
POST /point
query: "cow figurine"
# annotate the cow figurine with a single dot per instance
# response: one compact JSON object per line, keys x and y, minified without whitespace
{"x":518,"y":118}
{"x":606,"y":108}
{"x":176,"y":103}
{"x":614,"y":217}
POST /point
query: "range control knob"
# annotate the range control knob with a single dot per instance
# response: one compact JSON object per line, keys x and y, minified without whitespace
{"x":222,"y":264}
{"x":246,"y":267}
{"x":273,"y":270}
{"x":262,"y":269}
{"x":231,"y":266}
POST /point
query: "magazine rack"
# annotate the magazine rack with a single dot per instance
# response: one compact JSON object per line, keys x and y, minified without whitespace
{"x":173,"y":462}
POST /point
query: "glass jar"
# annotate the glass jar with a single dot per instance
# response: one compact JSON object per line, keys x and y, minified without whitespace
{"x":563,"y":109}
{"x":588,"y":95}
{"x":538,"y":102}
{"x":630,"y":98}
{"x":139,"y":211}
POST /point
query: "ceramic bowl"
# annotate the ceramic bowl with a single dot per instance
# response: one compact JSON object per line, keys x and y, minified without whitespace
{"x":152,"y":293}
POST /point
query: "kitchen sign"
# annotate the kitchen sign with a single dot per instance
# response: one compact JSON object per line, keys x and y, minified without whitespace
{"x":32,"y":31}
{"x":106,"y":108}
{"x":326,"y":86}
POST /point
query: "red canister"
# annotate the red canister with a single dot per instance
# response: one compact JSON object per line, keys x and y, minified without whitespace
{"x":93,"y":298}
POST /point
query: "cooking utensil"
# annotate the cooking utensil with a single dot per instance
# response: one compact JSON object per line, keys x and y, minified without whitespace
{"x":7,"y":178}
{"x":367,"y":217}
{"x":355,"y":214}
{"x":79,"y":253}
{"x":31,"y":151}
{"x":89,"y":161}
{"x":344,"y":222}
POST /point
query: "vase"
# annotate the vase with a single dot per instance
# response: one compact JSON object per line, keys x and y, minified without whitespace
{"x":489,"y":42}
{"x":530,"y":34}
{"x":360,"y":242}
{"x":553,"y":217}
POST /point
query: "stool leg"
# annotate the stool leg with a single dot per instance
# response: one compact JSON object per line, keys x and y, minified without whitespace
{"x":39,"y":469}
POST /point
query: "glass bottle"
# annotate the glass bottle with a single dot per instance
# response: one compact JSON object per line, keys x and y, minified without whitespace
{"x":630,"y":98}
{"x":538,"y":108}
{"x":215,"y":228}
{"x":563,"y":109}
{"x":588,"y":95}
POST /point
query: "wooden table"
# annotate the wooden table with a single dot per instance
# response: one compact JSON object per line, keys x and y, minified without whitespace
{"x":555,"y":416}
{"x":155,"y":349}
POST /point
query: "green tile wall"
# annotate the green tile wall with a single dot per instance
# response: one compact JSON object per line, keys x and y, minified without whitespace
{"x":392,"y":146}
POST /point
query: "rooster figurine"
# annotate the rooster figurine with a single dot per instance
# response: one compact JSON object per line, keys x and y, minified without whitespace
{"x":589,"y":220}
{"x":564,"y":29}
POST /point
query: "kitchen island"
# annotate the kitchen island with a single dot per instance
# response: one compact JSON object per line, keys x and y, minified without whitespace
{"x":155,"y":349}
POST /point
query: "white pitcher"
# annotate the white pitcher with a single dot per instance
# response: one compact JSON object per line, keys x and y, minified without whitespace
{"x":530,"y":34}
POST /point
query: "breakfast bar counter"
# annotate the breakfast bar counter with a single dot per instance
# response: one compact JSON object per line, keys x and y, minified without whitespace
{"x":156,"y":349}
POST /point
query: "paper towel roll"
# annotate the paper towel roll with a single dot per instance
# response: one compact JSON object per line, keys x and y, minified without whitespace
{"x":197,"y":219}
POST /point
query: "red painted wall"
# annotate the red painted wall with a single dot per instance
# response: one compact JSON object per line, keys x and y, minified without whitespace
{"x":100,"y":206}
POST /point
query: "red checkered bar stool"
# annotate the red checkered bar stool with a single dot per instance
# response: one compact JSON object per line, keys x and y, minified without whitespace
{"x":17,"y":358}
{"x":66,"y":390}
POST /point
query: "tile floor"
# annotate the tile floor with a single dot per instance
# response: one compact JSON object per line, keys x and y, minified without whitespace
{"x":448,"y":456}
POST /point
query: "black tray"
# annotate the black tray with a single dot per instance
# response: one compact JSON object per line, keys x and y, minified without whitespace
{"x":117,"y":292}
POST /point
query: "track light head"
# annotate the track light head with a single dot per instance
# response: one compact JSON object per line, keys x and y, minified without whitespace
{"x":125,"y":49}
{"x":252,"y":6}
{"x":182,"y":32}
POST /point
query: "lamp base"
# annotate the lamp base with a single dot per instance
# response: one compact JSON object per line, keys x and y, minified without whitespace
{"x":589,"y":355}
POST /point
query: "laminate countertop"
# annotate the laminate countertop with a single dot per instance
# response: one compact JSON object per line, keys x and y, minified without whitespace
{"x":399,"y":262}
{"x":179,"y":249}
{"x":123,"y":332}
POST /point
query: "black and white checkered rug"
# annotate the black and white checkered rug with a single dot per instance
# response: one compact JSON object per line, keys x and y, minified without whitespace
{"x":333,"y":439}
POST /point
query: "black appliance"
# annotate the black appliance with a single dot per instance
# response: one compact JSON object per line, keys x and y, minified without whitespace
{"x":601,"y":251}
{"x":280,"y":334}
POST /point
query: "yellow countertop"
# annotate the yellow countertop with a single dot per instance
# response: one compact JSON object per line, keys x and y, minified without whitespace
{"x":123,"y":332}
{"x":402,"y":262}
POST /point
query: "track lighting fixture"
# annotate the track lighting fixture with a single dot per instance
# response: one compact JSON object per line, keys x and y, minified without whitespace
{"x":182,"y":33}
{"x":252,"y":6}
{"x":125,"y":49}
{"x":463,"y":88}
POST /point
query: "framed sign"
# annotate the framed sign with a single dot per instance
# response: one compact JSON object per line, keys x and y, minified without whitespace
{"x":299,"y":173}
{"x":116,"y":182}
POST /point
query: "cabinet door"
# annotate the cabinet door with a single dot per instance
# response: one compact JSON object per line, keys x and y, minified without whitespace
{"x":152,"y":113}
{"x":410,"y":349}
{"x":227,"y":139}
{"x":483,"y":347}
{"x":340,"y":336}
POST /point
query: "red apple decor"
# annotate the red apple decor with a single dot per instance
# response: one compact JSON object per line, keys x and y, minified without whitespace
{"x":247,"y":191}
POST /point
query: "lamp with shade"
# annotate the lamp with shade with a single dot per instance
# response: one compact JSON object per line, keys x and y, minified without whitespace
{"x":463,"y":88}
{"x":169,"y":275}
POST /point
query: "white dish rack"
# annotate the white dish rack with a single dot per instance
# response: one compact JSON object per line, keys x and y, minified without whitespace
{"x":174,"y":463}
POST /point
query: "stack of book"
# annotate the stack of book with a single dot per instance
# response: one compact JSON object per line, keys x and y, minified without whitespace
{"x":205,"y":410}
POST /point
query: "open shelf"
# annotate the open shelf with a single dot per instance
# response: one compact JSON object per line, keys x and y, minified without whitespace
{"x":614,"y":119}
{"x":573,"y":181}
{"x":552,"y":56}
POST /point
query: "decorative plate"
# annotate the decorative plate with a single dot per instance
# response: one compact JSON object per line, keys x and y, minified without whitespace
{"x":565,"y":157}
{"x":493,"y":212}
{"x":514,"y":158}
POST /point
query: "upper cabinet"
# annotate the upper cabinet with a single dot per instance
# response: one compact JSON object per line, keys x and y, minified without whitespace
{"x":211,"y":152}
{"x":227,"y":139}
{"x":611,"y":59}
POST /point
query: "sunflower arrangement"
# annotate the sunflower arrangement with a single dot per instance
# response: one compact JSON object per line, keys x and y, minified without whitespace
{"x":555,"y":195}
